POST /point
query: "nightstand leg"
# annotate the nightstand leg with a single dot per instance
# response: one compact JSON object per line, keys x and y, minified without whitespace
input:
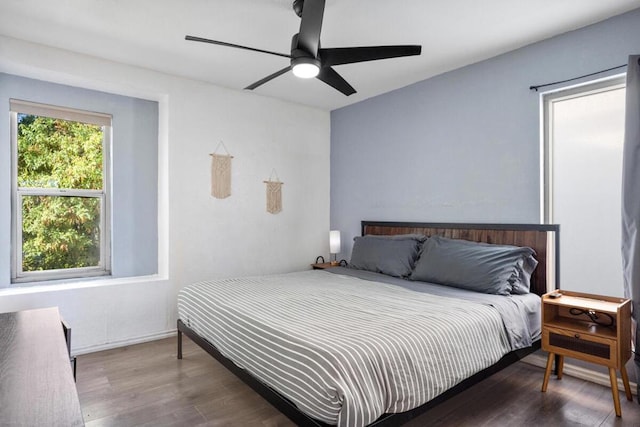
{"x":547,"y":371}
{"x":614,"y":391}
{"x":560,"y":367}
{"x":625,"y":381}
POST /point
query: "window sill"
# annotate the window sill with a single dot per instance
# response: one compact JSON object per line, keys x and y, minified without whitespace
{"x":64,"y":285}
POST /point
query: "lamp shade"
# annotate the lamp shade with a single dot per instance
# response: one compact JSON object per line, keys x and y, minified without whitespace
{"x":334,"y":241}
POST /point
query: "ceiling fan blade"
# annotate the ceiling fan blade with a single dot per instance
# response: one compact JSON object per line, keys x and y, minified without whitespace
{"x":335,"y":80}
{"x":310,"y":26}
{"x":203,"y":40}
{"x":350,"y":55}
{"x":268,"y":78}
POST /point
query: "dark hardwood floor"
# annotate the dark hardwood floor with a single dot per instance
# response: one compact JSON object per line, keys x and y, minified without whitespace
{"x":145,"y":385}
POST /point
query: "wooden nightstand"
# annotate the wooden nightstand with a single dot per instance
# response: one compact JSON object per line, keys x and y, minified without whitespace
{"x":570,"y":328}
{"x":322,"y":266}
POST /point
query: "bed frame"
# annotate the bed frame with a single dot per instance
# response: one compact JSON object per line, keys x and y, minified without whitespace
{"x":543,"y":238}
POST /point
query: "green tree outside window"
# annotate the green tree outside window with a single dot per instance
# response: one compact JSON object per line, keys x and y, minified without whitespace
{"x":59,"y":231}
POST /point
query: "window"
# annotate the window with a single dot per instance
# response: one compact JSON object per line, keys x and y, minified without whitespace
{"x":60,"y":192}
{"x":584,"y":132}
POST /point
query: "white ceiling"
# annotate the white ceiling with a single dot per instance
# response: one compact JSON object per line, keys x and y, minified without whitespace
{"x":150,"y":34}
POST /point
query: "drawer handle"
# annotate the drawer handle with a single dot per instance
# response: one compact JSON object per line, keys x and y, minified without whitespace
{"x":577,"y":336}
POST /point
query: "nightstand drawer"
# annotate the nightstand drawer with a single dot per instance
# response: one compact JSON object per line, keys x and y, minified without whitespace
{"x":580,"y":345}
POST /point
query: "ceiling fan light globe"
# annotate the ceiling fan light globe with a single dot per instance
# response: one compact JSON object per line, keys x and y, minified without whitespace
{"x":306,"y":70}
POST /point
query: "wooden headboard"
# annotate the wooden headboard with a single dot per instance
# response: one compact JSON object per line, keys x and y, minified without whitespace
{"x":542,"y":238}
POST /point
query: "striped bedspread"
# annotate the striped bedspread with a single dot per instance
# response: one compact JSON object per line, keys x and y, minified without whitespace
{"x":344,"y":350}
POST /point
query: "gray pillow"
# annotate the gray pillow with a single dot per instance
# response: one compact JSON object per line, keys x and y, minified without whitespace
{"x":480,"y":267}
{"x":522,"y":285}
{"x":390,"y":255}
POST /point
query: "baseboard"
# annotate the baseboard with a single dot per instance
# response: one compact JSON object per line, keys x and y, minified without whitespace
{"x":122,"y":343}
{"x":578,"y":372}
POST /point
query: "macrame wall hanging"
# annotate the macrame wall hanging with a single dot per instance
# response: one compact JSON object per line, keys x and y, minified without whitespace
{"x":274,"y":193}
{"x":221,"y":173}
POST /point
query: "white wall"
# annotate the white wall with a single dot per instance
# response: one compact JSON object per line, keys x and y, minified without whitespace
{"x":199,"y":237}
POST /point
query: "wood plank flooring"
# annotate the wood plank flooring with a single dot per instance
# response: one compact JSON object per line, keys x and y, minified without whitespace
{"x":145,"y":385}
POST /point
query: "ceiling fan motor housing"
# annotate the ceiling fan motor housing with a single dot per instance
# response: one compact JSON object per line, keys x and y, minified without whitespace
{"x":303,"y":64}
{"x":296,"y":52}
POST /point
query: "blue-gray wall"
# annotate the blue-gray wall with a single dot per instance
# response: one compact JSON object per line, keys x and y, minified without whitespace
{"x":134,"y":154}
{"x":464,"y":145}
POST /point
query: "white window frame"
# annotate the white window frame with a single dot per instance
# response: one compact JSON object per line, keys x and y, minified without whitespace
{"x":99,"y":119}
{"x":548,"y":101}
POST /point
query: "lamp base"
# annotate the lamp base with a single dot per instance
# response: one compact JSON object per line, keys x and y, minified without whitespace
{"x":335,"y":263}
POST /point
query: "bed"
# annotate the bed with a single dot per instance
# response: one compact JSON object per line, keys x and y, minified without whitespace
{"x":410,"y":342}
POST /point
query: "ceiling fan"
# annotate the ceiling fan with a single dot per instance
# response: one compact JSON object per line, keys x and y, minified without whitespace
{"x":308,"y":59}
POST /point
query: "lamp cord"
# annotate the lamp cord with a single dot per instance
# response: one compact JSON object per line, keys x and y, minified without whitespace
{"x":593,"y":315}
